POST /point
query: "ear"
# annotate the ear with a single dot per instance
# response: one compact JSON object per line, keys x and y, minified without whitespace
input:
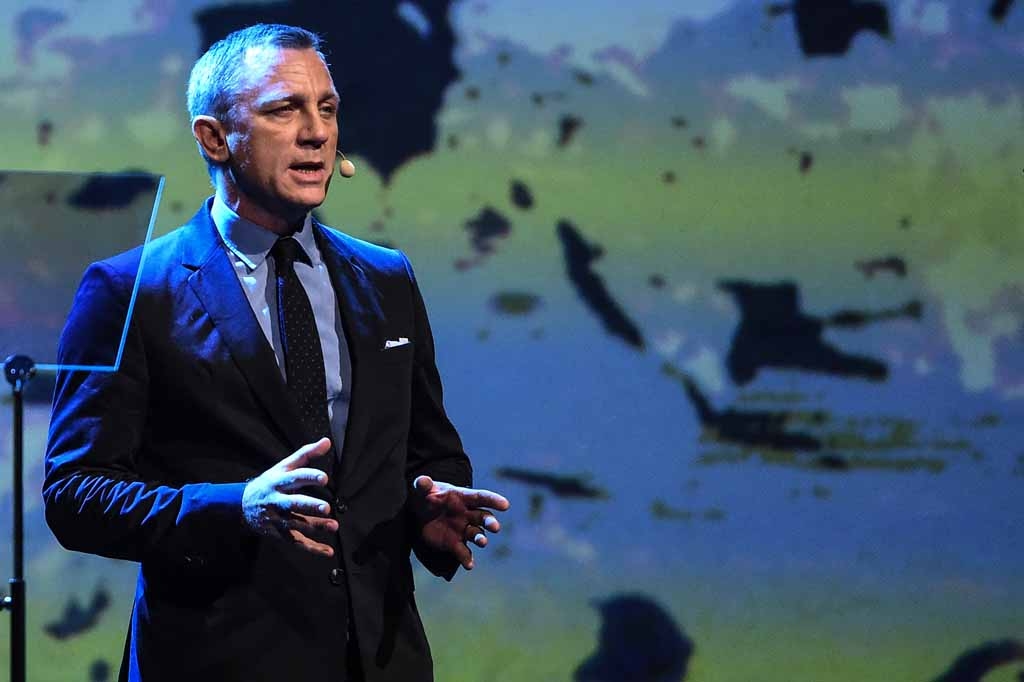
{"x":212,"y":138}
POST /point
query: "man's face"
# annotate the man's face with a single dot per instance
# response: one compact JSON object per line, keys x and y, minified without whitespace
{"x":282,"y":135}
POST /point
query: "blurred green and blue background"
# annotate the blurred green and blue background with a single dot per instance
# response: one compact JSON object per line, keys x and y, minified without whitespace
{"x":738,"y":328}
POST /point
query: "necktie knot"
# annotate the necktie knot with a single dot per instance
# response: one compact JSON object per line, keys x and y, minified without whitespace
{"x":286,"y":251}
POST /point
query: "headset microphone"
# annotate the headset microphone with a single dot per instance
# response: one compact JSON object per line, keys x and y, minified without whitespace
{"x":346,"y":168}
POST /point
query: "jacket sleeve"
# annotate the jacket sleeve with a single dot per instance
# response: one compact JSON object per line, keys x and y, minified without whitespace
{"x":434,"y":447}
{"x":95,"y":499}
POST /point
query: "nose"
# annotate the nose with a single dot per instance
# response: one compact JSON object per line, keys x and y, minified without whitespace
{"x":316,"y":129}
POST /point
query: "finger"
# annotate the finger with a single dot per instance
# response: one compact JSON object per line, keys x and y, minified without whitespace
{"x":477,"y":497}
{"x":464,"y":555}
{"x":303,"y":455}
{"x":423,"y":484}
{"x":290,"y":529}
{"x":296,"y":479}
{"x":312,"y":524}
{"x":302,"y":504}
{"x":475,"y":534}
{"x":486,"y":520}
{"x":311,"y":546}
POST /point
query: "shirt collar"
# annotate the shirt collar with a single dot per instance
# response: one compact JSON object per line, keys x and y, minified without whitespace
{"x":250,"y":242}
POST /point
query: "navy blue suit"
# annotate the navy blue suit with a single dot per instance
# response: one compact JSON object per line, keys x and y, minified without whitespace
{"x":149,"y":464}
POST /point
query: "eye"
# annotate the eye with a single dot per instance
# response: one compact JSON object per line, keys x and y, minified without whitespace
{"x":328,"y":109}
{"x":282,"y":111}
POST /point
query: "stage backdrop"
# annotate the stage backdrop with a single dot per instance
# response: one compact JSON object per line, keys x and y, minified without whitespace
{"x":728,"y":300}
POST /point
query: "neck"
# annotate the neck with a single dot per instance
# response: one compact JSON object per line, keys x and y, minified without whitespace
{"x":281,"y":222}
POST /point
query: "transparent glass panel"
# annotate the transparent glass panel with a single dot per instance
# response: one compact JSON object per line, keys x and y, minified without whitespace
{"x":52,"y":226}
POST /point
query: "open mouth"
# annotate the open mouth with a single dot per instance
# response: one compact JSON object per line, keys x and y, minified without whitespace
{"x":310,"y":167}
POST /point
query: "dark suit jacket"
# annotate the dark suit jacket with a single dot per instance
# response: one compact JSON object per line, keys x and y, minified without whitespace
{"x":149,"y":463}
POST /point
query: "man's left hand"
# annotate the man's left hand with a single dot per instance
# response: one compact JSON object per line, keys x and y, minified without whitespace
{"x":452,"y":516}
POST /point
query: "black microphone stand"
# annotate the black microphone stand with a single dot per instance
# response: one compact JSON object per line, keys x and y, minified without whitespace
{"x":18,"y":369}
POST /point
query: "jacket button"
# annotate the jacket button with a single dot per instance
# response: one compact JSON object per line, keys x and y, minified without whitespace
{"x":337,"y":576}
{"x":340,"y":506}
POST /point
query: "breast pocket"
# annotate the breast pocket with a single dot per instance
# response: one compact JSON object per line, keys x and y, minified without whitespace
{"x":390,"y":375}
{"x":396,"y":354}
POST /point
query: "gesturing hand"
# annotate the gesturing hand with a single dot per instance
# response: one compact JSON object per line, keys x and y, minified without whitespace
{"x":272,"y":508}
{"x":452,"y":516}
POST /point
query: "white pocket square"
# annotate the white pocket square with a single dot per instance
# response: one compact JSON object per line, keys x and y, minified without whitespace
{"x":392,"y":343}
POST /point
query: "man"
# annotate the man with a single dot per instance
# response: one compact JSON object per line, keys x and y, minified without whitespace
{"x":256,"y":333}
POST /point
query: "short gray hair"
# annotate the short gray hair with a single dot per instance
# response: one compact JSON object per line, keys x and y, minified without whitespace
{"x":216,"y":78}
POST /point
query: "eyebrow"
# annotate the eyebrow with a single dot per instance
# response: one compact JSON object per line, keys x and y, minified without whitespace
{"x":295,"y":98}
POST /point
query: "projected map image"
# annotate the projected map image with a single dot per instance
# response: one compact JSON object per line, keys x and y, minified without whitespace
{"x":727,"y":299}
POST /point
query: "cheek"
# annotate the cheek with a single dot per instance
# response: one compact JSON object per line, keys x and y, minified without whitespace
{"x":273,"y":155}
{"x":241,"y":148}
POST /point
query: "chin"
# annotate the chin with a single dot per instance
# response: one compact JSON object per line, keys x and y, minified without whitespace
{"x":309,"y":200}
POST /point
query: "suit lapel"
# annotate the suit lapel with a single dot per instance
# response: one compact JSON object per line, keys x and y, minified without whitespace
{"x":216,"y":285}
{"x":358,"y":303}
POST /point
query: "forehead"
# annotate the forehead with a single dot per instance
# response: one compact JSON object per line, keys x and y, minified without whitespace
{"x":268,"y":67}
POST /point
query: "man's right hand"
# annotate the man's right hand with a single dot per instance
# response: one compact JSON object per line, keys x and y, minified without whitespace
{"x":271,"y":506}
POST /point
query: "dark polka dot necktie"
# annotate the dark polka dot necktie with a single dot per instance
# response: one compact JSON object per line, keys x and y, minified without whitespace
{"x":300,"y":341}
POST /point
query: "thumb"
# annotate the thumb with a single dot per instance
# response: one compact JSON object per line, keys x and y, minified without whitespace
{"x":423,"y":484}
{"x":303,"y":455}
